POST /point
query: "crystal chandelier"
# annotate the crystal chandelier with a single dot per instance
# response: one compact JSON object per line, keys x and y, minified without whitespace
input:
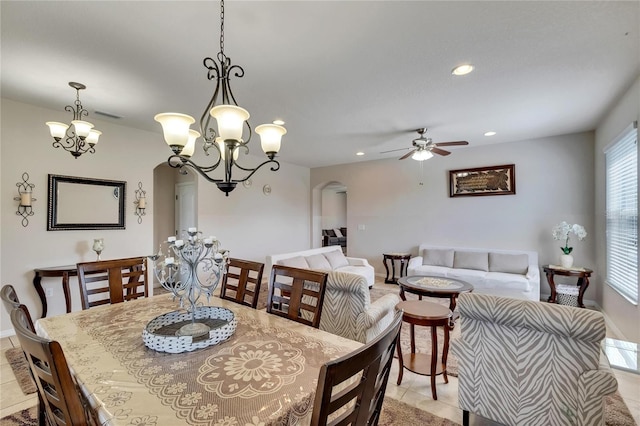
{"x":227,"y":141}
{"x":83,"y":137}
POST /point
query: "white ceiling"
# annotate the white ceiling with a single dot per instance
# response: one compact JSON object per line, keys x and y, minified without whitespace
{"x":346,"y":76}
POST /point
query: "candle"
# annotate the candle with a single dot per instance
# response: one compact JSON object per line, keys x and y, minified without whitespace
{"x":142,"y":203}
{"x":171,"y":239}
{"x":168,"y":261}
{"x":208,"y":240}
{"x":193,"y":229}
{"x":217,"y":256}
{"x":179,"y":243}
{"x":25,"y":199}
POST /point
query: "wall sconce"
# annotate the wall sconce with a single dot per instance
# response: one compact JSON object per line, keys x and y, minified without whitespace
{"x":140,"y":202}
{"x":25,"y":192}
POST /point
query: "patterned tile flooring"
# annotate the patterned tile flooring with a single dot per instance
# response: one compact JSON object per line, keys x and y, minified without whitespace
{"x":415,"y":389}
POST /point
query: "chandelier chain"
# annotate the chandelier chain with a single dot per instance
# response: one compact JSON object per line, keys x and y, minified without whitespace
{"x":222,"y":27}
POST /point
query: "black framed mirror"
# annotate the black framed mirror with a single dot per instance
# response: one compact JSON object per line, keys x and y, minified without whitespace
{"x":77,"y":203}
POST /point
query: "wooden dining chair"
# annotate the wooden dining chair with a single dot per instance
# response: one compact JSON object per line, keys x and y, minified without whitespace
{"x":63,"y":404}
{"x":357,"y":401}
{"x":297,"y":294}
{"x":10,"y":301}
{"x":241,"y":283}
{"x":112,"y":281}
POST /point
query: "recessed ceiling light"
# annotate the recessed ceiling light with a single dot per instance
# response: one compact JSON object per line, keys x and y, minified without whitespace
{"x":491,"y":133}
{"x":462,"y":69}
{"x":278,"y":122}
{"x":359,"y":153}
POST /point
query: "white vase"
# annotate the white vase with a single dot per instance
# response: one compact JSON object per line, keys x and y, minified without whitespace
{"x":566,"y":260}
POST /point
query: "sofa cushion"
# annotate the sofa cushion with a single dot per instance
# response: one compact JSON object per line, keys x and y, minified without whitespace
{"x":336,"y":259}
{"x":319,"y":262}
{"x":294,"y":262}
{"x":509,"y":263}
{"x":471,"y":260}
{"x":437,"y":257}
{"x":504,"y":282}
{"x":433,"y":271}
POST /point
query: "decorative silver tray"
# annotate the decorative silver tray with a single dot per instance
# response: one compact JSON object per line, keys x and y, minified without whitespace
{"x":160,"y":332}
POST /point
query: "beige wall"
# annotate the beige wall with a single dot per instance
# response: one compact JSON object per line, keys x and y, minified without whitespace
{"x":249,"y":223}
{"x":625,"y":315}
{"x":122,"y":154}
{"x":554,"y":182}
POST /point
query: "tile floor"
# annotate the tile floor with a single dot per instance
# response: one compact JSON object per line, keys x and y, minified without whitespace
{"x":415,"y":390}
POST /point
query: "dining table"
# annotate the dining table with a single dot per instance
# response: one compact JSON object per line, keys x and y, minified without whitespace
{"x":266,"y":373}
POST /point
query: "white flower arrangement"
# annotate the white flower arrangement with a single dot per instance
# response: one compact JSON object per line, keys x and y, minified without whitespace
{"x":562,"y":231}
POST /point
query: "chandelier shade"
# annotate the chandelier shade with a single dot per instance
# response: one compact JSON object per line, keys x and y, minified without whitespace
{"x":175,"y":127}
{"x":227,"y":137}
{"x":79,"y":138}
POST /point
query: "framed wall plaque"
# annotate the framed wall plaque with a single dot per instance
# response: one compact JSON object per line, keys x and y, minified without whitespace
{"x":492,"y":180}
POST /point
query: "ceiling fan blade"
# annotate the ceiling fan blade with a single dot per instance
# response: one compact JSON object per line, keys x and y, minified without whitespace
{"x":394,"y":150}
{"x":408,"y":154}
{"x":452,"y":143}
{"x":440,"y":151}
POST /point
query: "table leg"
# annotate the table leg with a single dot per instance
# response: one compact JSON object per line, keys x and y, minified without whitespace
{"x":445,"y":354}
{"x":400,"y":361}
{"x":65,"y":289}
{"x":552,"y":286}
{"x":434,"y":360}
{"x":402,"y":295}
{"x":453,"y":301}
{"x":393,"y":272}
{"x":583,"y":283}
{"x":386,"y":268}
{"x":43,"y":299}
{"x":413,"y":340}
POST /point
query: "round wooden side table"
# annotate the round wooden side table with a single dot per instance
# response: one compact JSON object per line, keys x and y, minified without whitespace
{"x":403,"y":259}
{"x":427,"y":314}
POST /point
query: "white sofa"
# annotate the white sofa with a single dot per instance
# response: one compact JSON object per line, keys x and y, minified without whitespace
{"x":508,"y":273}
{"x":328,"y":258}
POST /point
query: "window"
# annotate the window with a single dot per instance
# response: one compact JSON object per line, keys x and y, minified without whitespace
{"x":621,"y":159}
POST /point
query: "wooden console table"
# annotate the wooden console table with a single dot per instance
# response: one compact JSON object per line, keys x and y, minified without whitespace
{"x":403,"y":258}
{"x":54,"y":271}
{"x":583,"y":275}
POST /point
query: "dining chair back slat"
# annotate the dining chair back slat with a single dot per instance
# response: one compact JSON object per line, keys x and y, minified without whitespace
{"x":242,"y":282}
{"x":297,"y":294}
{"x":360,"y":380}
{"x":112,"y":281}
{"x":60,"y":396}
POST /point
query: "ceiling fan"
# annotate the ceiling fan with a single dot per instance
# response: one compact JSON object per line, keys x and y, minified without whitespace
{"x":424,"y":147}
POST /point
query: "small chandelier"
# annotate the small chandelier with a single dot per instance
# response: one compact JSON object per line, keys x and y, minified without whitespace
{"x":83,"y":137}
{"x":231,"y":120}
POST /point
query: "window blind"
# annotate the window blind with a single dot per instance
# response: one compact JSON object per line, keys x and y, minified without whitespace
{"x":621,"y":160}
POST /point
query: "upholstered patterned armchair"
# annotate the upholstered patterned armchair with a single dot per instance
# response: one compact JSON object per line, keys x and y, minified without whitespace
{"x":531,"y":363}
{"x":348,"y":312}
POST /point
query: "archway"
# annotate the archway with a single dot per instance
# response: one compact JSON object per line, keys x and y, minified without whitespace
{"x":329,"y":211}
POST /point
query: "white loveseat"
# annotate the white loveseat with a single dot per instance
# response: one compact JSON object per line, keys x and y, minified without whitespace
{"x":324,"y":259}
{"x":508,"y":273}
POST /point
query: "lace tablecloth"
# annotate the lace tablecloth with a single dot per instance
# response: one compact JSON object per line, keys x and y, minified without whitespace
{"x":265,"y":374}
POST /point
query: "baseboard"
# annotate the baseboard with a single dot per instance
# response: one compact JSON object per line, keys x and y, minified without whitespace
{"x":7,"y":333}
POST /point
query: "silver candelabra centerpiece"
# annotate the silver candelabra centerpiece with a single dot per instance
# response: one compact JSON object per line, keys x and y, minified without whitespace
{"x":190,"y":268}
